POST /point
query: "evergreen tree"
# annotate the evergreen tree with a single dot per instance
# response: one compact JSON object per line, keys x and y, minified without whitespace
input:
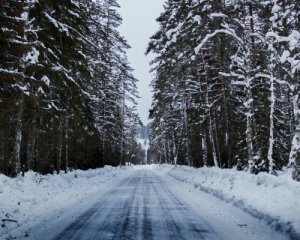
{"x":65,"y":85}
{"x":225,"y":81}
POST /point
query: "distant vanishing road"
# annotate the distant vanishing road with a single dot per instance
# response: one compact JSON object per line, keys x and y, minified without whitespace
{"x":149,"y":205}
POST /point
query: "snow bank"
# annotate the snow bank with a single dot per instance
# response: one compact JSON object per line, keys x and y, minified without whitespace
{"x":267,"y":197}
{"x":28,"y":200}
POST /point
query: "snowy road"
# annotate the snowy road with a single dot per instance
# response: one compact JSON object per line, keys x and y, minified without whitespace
{"x":149,"y":205}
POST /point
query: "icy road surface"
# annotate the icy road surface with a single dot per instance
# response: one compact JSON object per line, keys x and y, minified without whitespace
{"x":149,"y":205}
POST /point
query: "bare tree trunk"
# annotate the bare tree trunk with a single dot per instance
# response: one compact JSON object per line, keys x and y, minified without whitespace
{"x":66,"y":144}
{"x":2,"y":150}
{"x":204,"y":150}
{"x":31,"y":140}
{"x":211,"y":137}
{"x":160,"y":161}
{"x":253,"y":43}
{"x":272,"y":113}
{"x":294,"y":159}
{"x":249,"y":111}
{"x":175,"y":151}
{"x":104,"y":158}
{"x":18,"y":136}
{"x":210,"y":129}
{"x":216,"y":139}
{"x":166,"y":153}
{"x":187,"y":135}
{"x":30,"y":149}
{"x":123,"y":123}
{"x":226,"y":125}
{"x":170,"y":152}
{"x":60,"y":147}
{"x":249,"y":137}
{"x":252,"y":27}
{"x":224,"y":102}
{"x":20,"y":101}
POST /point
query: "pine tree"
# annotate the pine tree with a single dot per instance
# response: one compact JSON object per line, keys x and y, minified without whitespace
{"x":223,"y":73}
{"x":63,"y":63}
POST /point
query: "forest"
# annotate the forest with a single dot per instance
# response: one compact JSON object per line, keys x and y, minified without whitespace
{"x":226,"y":86}
{"x":67,"y":92}
{"x":218,"y":157}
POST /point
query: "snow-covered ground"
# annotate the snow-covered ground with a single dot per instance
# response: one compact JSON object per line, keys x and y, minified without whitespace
{"x":148,"y":205}
{"x":215,"y":194}
{"x":274,"y":199}
{"x":34,"y":198}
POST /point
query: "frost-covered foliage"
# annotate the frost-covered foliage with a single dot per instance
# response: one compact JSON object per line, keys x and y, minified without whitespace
{"x":65,"y":86}
{"x":226,"y":85}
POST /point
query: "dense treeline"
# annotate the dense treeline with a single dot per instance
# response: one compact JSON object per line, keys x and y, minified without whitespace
{"x":226,"y":91}
{"x":67,"y":93}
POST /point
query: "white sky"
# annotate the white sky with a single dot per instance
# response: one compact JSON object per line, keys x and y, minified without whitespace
{"x":138,"y":26}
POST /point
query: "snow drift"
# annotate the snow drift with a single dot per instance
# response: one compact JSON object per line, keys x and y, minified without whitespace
{"x":275,"y":199}
{"x":26,"y":201}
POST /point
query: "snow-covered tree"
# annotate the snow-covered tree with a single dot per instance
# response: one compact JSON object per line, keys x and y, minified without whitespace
{"x":223,"y":72}
{"x":66,"y":85}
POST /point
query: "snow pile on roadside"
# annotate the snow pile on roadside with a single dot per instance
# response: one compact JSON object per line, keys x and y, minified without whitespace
{"x":267,"y":197}
{"x":27,"y":200}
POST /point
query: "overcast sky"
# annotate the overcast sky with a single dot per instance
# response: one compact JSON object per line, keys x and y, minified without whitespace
{"x":138,"y":25}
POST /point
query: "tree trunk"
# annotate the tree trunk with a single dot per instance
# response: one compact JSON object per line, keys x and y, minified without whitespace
{"x":211,"y":137}
{"x":60,"y":146}
{"x":216,"y":139}
{"x":20,"y":101}
{"x":166,"y":152}
{"x":66,"y":144}
{"x":210,"y":129}
{"x":170,"y":152}
{"x":18,"y":137}
{"x":224,"y":103}
{"x":253,"y":48}
{"x":30,"y":150}
{"x":2,"y":149}
{"x":122,"y":127}
{"x":187,"y":135}
{"x":294,"y":159}
{"x":249,"y":135}
{"x":272,"y":112}
{"x":31,"y":142}
{"x":252,"y":28}
{"x":249,"y":113}
{"x":226,"y":125}
{"x":204,"y":150}
{"x":175,"y":151}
